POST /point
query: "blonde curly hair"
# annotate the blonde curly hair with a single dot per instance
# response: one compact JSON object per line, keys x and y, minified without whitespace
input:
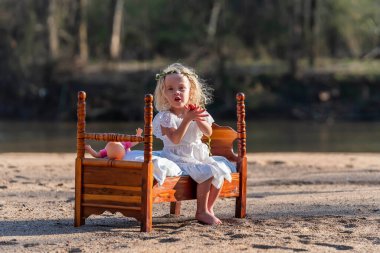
{"x":200,"y":93}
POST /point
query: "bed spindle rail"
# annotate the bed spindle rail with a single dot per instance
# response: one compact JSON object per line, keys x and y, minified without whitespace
{"x":112,"y":137}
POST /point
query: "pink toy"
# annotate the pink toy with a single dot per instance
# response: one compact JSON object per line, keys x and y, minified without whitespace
{"x":114,"y":150}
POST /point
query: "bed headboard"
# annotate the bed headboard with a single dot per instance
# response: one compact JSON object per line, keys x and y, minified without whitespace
{"x":223,"y":137}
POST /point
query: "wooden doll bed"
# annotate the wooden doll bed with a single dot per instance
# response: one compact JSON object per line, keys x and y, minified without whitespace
{"x":128,"y":187}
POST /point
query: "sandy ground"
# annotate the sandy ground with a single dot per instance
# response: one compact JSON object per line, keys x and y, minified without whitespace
{"x":297,"y":202}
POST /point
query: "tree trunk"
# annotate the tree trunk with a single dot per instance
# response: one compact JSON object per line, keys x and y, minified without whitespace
{"x":295,"y":38}
{"x":83,"y":43}
{"x":115,"y":47}
{"x":53,"y":30}
{"x":312,"y":36}
{"x":213,"y":23}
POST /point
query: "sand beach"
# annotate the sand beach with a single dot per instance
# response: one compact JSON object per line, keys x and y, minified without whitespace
{"x":297,"y":202}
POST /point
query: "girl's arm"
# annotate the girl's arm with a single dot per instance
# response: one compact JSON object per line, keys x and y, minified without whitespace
{"x":176,"y":135}
{"x":205,"y":127}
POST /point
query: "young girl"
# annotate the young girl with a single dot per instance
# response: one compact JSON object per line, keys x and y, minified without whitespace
{"x":180,"y":97}
{"x":114,"y":150}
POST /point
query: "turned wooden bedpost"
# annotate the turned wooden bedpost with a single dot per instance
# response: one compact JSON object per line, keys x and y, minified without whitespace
{"x":81,"y":129}
{"x":147,"y":179}
{"x":240,"y":210}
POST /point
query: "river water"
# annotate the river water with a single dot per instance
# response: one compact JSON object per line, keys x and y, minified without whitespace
{"x":262,"y":136}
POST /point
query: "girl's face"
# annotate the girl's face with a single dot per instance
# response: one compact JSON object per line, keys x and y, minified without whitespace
{"x":177,"y":91}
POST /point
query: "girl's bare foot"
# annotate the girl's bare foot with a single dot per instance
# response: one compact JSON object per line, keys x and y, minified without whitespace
{"x":212,"y":213}
{"x":207,"y":218}
{"x":218,"y":220}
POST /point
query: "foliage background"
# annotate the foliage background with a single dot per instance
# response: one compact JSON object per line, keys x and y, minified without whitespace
{"x":294,"y":59}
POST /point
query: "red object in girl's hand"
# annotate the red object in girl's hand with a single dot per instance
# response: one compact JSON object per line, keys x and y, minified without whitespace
{"x":192,"y":107}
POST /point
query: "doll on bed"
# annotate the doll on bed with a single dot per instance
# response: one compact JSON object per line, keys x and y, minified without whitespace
{"x":114,"y":150}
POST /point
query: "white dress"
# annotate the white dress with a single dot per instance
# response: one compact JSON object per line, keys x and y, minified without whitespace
{"x":191,"y":155}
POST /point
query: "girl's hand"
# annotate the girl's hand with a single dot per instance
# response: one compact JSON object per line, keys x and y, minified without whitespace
{"x":194,"y":112}
{"x":139,"y":131}
{"x":191,"y":107}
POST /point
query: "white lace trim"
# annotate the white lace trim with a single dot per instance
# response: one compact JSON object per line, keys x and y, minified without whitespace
{"x":164,"y":119}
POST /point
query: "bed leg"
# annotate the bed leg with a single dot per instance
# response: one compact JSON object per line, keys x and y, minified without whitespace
{"x":78,"y":216}
{"x":240,"y":208}
{"x":147,"y":204}
{"x":175,"y":208}
{"x":78,"y":221}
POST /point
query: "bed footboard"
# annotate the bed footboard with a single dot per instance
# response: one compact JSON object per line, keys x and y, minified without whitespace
{"x":111,"y":185}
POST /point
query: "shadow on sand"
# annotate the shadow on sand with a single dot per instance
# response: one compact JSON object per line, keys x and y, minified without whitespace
{"x":93,"y":224}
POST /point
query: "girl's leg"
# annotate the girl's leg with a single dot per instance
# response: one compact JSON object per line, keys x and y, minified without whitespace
{"x":214,"y":193}
{"x":202,"y":213}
